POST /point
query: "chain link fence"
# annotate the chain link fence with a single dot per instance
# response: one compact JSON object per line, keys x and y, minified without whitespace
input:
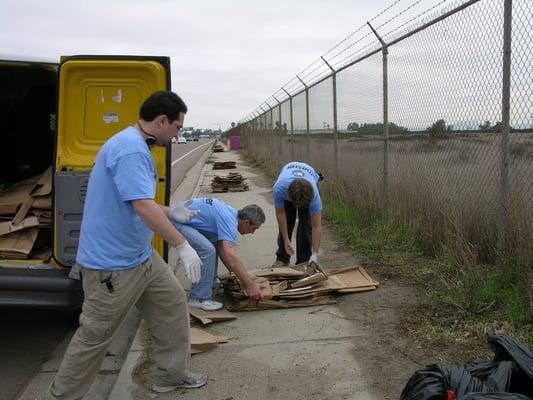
{"x":432,"y":123}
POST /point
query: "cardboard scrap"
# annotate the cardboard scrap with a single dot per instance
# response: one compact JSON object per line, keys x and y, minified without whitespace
{"x":10,"y":226}
{"x":207,"y":317}
{"x":204,"y":341}
{"x":18,"y":244}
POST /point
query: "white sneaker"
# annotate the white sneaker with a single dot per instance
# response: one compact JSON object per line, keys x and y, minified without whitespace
{"x":190,"y":381}
{"x":206,"y":305}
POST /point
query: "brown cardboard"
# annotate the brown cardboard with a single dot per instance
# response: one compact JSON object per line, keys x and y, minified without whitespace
{"x":43,"y":202}
{"x":354,"y":277}
{"x":43,"y":186}
{"x":277,"y":273}
{"x":7,"y":227}
{"x":207,"y":317}
{"x":202,"y":340}
{"x":12,"y":198}
{"x":18,"y":244}
{"x":253,"y":305}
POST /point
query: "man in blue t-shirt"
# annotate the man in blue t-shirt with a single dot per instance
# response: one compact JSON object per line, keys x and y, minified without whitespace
{"x":296,"y":192}
{"x":117,"y":264}
{"x":214,"y":230}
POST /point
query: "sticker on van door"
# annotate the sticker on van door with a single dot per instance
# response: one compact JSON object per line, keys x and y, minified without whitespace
{"x":110,"y":118}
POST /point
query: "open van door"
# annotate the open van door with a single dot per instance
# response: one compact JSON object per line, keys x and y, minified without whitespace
{"x":99,"y":96}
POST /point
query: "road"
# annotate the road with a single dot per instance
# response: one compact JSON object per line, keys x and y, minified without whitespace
{"x":29,"y":337}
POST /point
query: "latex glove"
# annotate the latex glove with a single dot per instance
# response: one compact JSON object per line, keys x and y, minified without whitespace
{"x":191,"y":262}
{"x":314,"y":258}
{"x":181,"y":214}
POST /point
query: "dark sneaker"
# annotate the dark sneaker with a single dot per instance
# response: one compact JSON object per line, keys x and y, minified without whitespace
{"x":190,"y":381}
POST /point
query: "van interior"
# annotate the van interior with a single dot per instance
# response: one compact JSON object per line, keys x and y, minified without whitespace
{"x":27,"y":120}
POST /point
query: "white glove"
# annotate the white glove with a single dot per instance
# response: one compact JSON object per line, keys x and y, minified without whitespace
{"x":191,"y":262}
{"x":181,"y":214}
{"x":314,"y":258}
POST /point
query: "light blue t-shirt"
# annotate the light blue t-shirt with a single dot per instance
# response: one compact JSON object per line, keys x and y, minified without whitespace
{"x":216,"y":220}
{"x":290,"y":172}
{"x":113,"y":236}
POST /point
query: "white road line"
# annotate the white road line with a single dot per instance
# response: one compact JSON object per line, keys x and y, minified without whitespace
{"x":185,"y":155}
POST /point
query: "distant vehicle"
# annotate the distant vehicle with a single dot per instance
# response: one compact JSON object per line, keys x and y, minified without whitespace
{"x":181,"y":140}
{"x":204,"y":136}
{"x":189,"y":139}
{"x":173,"y":140}
{"x":195,"y":138}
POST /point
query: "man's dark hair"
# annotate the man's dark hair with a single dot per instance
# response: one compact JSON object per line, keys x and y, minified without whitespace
{"x":162,"y":103}
{"x":300,"y":193}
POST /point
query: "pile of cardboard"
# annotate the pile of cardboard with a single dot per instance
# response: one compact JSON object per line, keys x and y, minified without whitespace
{"x":26,"y":218}
{"x":225,"y":164}
{"x":218,"y":148}
{"x":232,"y":182}
{"x":301,"y":286}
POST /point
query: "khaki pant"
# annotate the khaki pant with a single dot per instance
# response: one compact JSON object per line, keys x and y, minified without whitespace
{"x":155,"y":291}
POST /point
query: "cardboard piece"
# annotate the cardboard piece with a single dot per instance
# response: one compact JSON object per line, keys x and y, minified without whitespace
{"x":278,"y":273}
{"x":18,"y":244}
{"x":43,"y":186}
{"x":12,"y":198}
{"x":207,"y":317}
{"x":43,"y":202}
{"x":10,"y":226}
{"x":204,"y":341}
{"x":355,"y":278}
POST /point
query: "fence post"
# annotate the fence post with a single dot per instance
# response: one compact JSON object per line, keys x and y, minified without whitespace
{"x":306,"y":119}
{"x":503,"y":215}
{"x":335,"y":131}
{"x":280,"y":135}
{"x":292,"y":131}
{"x":385,"y":51}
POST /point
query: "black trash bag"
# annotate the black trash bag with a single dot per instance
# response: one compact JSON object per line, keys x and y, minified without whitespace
{"x":511,"y":372}
{"x":497,"y":375}
{"x":494,"y":396}
{"x":434,"y":381}
{"x":504,"y":349}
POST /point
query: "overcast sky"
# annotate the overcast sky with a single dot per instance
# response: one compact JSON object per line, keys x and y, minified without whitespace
{"x":227,"y":56}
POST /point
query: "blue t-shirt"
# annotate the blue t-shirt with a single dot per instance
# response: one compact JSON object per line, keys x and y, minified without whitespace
{"x":290,"y":172}
{"x":216,"y":220}
{"x":113,"y":236}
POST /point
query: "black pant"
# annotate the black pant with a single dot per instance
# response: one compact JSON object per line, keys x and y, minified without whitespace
{"x":303,"y":234}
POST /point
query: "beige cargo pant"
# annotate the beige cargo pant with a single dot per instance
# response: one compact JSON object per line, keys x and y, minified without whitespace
{"x":155,"y":291}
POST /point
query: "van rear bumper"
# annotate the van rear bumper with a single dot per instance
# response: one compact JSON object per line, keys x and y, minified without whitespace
{"x":39,"y":288}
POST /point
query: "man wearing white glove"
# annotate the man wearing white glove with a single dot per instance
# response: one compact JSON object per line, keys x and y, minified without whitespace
{"x":119,"y":267}
{"x":213,"y":231}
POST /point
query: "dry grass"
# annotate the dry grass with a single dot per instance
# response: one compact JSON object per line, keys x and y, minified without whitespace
{"x":446,"y":192}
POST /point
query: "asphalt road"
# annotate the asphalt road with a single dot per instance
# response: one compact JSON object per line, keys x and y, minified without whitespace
{"x":28,"y":337}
